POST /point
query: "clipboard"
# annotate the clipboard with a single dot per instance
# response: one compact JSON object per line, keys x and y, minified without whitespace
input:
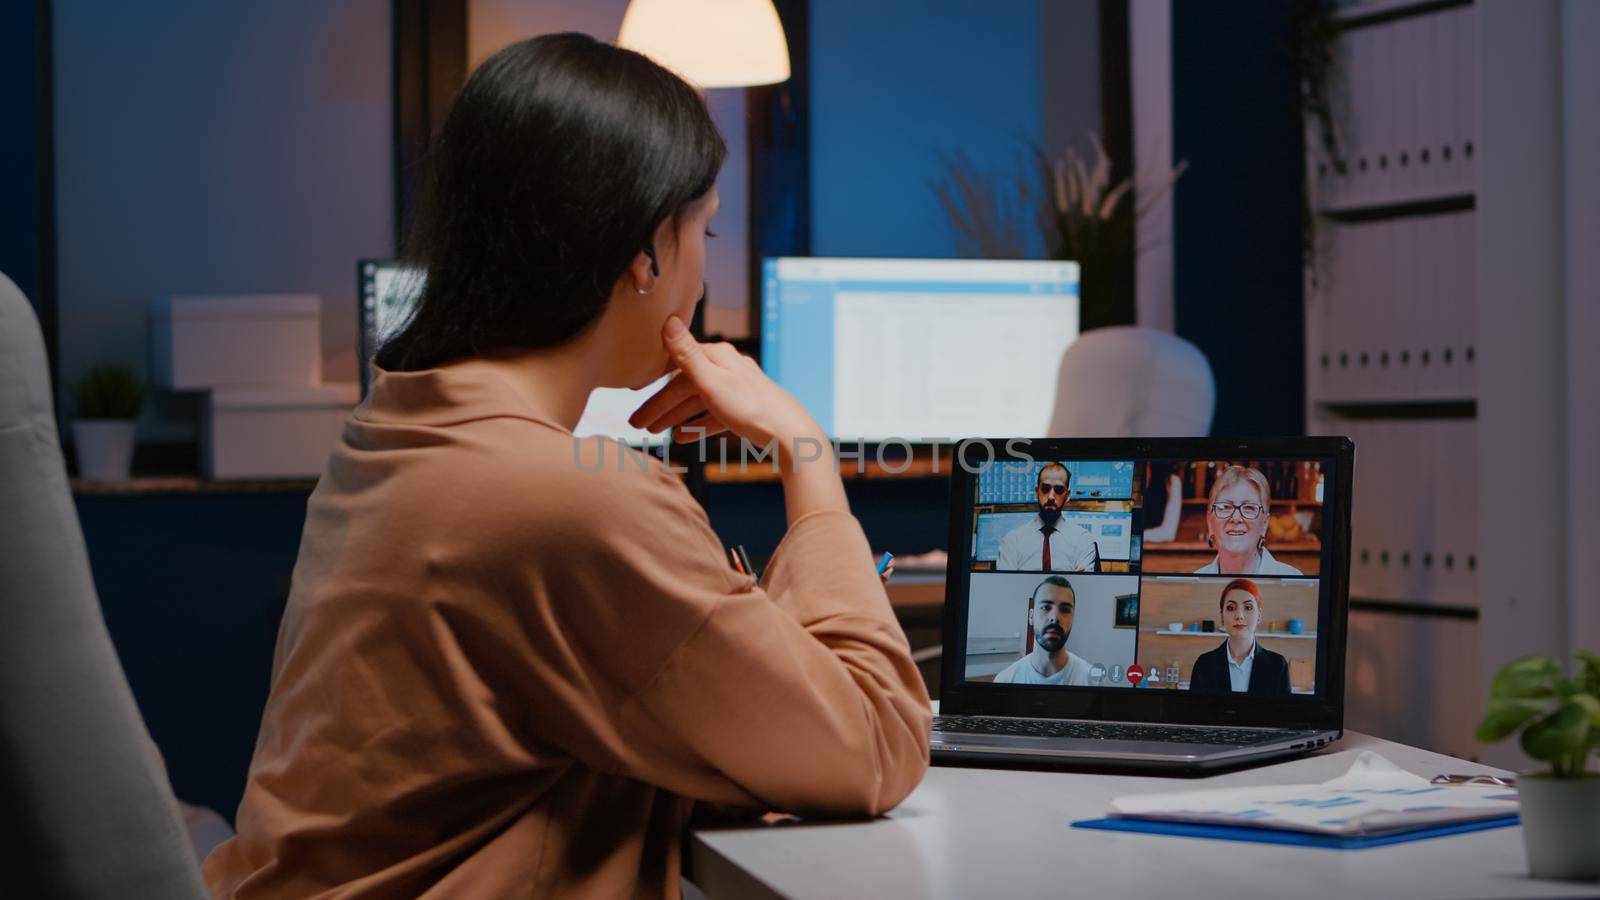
{"x":1293,"y":838}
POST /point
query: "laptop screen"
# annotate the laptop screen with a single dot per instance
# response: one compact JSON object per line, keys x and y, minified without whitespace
{"x":1201,"y":575}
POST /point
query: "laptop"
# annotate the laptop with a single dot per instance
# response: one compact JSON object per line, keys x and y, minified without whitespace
{"x":1164,"y":604}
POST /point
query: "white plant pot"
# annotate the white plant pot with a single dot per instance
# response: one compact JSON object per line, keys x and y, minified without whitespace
{"x":104,"y":447}
{"x":1561,"y":825}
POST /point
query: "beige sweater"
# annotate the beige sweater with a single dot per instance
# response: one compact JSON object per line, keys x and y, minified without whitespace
{"x":500,"y":675}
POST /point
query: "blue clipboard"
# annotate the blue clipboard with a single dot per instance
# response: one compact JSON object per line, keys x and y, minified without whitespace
{"x":1293,"y":838}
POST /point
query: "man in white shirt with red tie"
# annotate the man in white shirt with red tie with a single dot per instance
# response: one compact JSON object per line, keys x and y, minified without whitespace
{"x":1047,"y":544}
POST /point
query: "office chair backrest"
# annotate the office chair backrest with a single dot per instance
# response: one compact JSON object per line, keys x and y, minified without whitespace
{"x":87,"y":809}
{"x":1133,"y":382}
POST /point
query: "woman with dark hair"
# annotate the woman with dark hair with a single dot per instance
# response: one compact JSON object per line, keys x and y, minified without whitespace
{"x":500,"y":672}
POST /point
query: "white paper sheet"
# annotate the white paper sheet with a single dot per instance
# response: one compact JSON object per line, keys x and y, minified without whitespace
{"x":1375,"y":796}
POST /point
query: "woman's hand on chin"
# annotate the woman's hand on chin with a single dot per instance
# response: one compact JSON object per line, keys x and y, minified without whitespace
{"x":726,"y":391}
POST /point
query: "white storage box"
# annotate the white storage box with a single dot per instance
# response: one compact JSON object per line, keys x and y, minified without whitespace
{"x":243,"y":339}
{"x":282,"y":432}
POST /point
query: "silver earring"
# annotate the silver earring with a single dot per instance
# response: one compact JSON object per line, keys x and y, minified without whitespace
{"x":643,"y":291}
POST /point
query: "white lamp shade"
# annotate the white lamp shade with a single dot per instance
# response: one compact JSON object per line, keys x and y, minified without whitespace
{"x":711,"y":43}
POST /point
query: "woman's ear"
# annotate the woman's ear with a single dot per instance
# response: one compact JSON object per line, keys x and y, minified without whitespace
{"x":643,"y":270}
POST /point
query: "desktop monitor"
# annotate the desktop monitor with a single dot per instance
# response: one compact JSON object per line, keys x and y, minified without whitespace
{"x":389,"y":292}
{"x":919,"y":349}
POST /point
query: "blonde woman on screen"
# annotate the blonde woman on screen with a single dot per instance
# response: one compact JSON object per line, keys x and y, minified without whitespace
{"x":1236,"y":524}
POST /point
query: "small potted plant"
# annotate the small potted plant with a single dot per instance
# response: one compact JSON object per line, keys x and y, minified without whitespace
{"x":107,"y":403}
{"x":1559,"y":718}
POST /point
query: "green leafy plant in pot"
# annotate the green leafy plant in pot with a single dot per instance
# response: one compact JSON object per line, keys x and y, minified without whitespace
{"x":106,"y":403}
{"x":1559,"y":719}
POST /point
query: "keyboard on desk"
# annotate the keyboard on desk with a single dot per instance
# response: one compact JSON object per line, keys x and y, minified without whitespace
{"x":1114,"y":731}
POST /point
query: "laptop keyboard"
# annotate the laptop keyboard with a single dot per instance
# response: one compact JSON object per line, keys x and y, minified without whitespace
{"x":1112,"y":731}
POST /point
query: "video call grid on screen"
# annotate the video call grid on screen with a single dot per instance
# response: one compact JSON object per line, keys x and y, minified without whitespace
{"x":919,"y":349}
{"x":1150,"y":616}
{"x":389,"y":292}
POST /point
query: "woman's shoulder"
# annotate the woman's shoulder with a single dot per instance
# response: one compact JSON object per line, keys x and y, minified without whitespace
{"x":599,"y":475}
{"x":1273,"y":655}
{"x":527,"y":476}
{"x":1271,"y":565}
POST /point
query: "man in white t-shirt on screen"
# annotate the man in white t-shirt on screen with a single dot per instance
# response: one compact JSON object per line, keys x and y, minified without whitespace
{"x":1051,"y":608}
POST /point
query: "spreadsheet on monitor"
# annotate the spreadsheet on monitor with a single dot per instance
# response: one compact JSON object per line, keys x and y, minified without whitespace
{"x":919,"y":349}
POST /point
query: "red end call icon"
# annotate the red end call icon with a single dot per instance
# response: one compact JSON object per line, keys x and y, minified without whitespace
{"x":1135,"y":674}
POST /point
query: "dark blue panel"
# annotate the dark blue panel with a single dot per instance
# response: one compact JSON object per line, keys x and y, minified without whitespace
{"x":900,"y":515}
{"x":1236,"y":212}
{"x":19,"y":135}
{"x":193,"y":588}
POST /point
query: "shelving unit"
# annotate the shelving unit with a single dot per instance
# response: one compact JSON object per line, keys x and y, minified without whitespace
{"x":1391,"y":355}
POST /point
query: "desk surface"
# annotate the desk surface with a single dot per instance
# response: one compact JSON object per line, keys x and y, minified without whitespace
{"x":1004,"y":833}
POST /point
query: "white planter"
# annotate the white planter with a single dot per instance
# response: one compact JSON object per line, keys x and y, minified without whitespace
{"x":104,"y":448}
{"x":1561,"y":825}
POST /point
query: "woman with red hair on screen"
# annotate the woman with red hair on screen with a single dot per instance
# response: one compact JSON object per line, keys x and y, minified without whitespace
{"x":1241,"y":665}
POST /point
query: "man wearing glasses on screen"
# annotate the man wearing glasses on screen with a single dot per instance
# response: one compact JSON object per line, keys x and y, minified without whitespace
{"x":1047,"y":544}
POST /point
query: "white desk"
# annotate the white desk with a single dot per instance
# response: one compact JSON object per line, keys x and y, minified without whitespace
{"x":1004,"y":834}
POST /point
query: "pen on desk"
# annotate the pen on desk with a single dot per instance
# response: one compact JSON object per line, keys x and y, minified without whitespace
{"x":1474,"y":779}
{"x":883,"y":564}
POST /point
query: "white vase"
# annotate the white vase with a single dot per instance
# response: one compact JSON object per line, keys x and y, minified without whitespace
{"x":104,"y":447}
{"x":1561,"y":825}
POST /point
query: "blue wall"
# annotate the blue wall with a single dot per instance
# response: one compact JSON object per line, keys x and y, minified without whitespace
{"x":217,"y":148}
{"x":896,"y":83}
